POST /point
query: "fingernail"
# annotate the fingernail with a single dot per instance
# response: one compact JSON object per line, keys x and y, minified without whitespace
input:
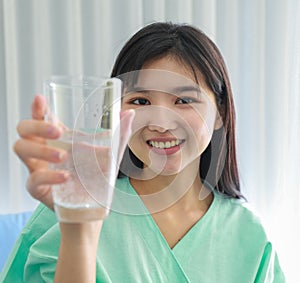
{"x":52,"y":131}
{"x":58,"y":155}
{"x":63,"y":176}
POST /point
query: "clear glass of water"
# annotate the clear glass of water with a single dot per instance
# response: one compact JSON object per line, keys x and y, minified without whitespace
{"x":87,"y":109}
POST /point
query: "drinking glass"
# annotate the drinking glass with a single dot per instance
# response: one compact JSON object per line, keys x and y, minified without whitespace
{"x":87,"y":109}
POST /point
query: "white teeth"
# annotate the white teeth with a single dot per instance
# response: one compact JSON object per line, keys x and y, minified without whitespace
{"x":162,"y":145}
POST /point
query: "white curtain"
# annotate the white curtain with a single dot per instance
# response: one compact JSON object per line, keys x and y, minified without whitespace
{"x":260,"y":40}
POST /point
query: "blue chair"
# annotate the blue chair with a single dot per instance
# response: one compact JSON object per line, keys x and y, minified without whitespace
{"x":10,"y":228}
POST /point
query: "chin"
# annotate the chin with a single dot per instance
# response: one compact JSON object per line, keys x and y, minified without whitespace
{"x":167,"y":169}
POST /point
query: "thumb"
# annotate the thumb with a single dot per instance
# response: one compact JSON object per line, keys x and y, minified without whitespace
{"x":127,"y":117}
{"x":38,"y":107}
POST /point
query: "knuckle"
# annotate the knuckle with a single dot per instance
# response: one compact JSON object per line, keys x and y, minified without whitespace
{"x":17,"y":146}
{"x":19,"y":127}
{"x":29,"y":186}
{"x":23,"y":128}
{"x":32,"y":180}
{"x":32,"y":185}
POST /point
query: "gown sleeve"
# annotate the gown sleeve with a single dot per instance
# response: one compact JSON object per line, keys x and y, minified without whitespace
{"x":269,"y":270}
{"x":39,"y":223}
{"x":41,"y":263}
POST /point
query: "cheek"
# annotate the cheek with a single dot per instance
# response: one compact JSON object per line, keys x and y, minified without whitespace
{"x":200,"y":132}
{"x":204,"y":120}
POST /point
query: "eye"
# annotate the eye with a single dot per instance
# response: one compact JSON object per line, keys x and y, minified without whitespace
{"x":186,"y":100}
{"x":140,"y":101}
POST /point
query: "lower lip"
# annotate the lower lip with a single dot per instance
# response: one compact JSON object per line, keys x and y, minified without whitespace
{"x":166,"y":151}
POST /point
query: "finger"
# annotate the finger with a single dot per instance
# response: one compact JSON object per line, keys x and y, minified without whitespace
{"x":27,"y":149}
{"x":38,"y":108}
{"x":126,"y":123}
{"x":39,"y":184}
{"x":45,"y":177}
{"x":34,"y":128}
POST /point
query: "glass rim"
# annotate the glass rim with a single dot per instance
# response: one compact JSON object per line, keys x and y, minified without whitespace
{"x":76,"y":81}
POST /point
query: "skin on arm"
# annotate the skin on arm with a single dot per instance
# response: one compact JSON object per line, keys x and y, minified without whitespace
{"x":78,"y":252}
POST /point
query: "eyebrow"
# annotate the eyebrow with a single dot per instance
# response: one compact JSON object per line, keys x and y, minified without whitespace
{"x":175,"y":90}
{"x":186,"y":88}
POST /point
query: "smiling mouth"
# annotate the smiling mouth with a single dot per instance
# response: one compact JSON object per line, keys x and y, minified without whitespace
{"x":164,"y":145}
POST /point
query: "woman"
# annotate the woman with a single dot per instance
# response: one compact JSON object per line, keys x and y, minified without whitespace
{"x":178,"y":214}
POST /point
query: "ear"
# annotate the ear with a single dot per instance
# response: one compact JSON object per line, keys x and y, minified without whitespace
{"x":218,"y":122}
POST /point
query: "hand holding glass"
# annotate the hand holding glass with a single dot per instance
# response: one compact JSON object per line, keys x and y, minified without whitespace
{"x":88,"y":112}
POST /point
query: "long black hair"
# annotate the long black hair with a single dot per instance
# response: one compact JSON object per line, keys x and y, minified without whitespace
{"x":218,"y":164}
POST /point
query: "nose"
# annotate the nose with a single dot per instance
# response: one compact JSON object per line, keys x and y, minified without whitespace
{"x":156,"y":118}
{"x":162,"y":119}
{"x":158,"y":128}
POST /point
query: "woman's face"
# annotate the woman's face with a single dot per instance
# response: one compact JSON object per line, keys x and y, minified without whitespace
{"x":175,"y":117}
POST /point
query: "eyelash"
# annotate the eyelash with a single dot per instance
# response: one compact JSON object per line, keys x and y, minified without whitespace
{"x":183,"y":100}
{"x":186,"y":100}
{"x":133,"y":101}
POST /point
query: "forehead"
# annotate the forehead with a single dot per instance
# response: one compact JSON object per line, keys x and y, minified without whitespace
{"x":170,"y":64}
{"x":162,"y":80}
{"x":169,"y":71}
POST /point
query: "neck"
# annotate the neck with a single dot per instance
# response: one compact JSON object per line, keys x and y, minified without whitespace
{"x":165,"y":192}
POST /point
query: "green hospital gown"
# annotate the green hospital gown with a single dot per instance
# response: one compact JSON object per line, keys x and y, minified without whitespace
{"x":227,"y":245}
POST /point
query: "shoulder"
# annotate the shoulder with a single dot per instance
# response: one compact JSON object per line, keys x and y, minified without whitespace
{"x":236,"y":208}
{"x":238,"y":232}
{"x":240,"y":217}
